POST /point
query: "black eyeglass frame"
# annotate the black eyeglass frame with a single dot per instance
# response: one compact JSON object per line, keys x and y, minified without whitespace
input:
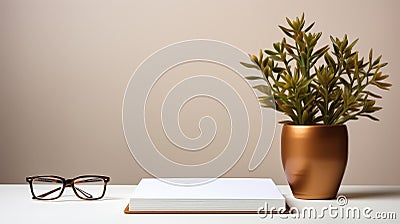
{"x":68,"y":183}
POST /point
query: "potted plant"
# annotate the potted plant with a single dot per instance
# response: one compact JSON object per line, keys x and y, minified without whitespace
{"x":319,"y":89}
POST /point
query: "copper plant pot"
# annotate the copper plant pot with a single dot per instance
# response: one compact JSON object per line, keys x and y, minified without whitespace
{"x":314,"y":158}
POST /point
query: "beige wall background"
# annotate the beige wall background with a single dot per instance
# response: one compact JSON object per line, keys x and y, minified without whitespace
{"x":64,"y":66}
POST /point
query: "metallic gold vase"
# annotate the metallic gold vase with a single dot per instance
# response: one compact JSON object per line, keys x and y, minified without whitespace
{"x":314,"y":158}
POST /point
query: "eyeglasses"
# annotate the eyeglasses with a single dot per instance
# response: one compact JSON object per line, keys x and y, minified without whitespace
{"x":50,"y":187}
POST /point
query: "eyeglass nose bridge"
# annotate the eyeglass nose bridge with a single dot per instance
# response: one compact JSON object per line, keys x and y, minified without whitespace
{"x":69,"y":182}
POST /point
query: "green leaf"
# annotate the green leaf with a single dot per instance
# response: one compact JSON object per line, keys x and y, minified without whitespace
{"x":377,"y":60}
{"x":263,"y":88}
{"x":289,"y":22}
{"x":267,"y":101}
{"x":383,"y":85}
{"x":267,"y":97}
{"x":383,"y":65}
{"x":269,"y":52}
{"x":370,"y":55}
{"x":381,"y":77}
{"x":372,"y":94}
{"x":329,"y":60}
{"x":306,"y":83}
{"x":352,"y":44}
{"x":372,"y":109}
{"x":278,"y":69}
{"x":370,"y":117}
{"x":254,"y":78}
{"x":247,"y":65}
{"x":319,"y":53}
{"x":277,"y":46}
{"x":254,"y":59}
{"x":309,"y":27}
{"x":287,"y":31}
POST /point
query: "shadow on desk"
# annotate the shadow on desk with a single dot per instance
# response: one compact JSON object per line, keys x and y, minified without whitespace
{"x":74,"y":199}
{"x":371,"y":193}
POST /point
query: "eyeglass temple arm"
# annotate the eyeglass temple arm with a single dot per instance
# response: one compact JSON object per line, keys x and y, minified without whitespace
{"x":58,"y":188}
{"x":50,"y":192}
{"x":84,"y":192}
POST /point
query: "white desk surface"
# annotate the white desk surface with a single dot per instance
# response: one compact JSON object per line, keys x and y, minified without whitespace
{"x":17,"y":206}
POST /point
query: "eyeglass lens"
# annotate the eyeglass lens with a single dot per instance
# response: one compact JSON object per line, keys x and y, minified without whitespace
{"x":89,"y":187}
{"x":47,"y":187}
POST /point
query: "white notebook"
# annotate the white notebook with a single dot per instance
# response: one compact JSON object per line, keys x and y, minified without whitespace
{"x":222,"y":194}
